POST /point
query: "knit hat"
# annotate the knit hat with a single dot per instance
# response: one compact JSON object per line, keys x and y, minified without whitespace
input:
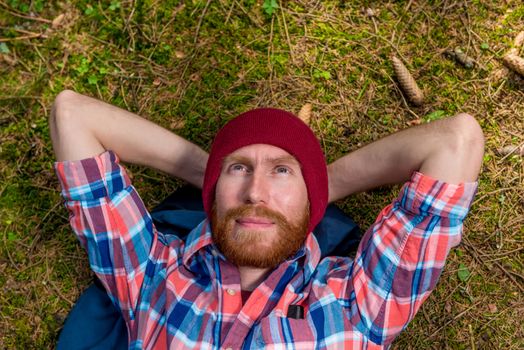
{"x":277,"y":128}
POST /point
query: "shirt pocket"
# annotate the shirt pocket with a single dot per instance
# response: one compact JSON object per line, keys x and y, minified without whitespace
{"x":295,"y":334}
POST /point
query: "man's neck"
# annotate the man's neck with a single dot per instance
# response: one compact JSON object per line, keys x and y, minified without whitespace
{"x":251,"y":277}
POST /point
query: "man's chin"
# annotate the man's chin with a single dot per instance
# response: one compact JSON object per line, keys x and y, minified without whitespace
{"x":263,"y":236}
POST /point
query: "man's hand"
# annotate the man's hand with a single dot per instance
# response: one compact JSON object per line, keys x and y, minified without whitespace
{"x":449,"y":150}
{"x":83,"y":127}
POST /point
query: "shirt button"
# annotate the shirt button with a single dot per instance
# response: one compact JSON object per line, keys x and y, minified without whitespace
{"x":230,"y":292}
{"x":214,"y":252}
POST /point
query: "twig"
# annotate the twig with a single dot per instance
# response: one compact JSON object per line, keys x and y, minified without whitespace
{"x":454,"y":319}
{"x":287,"y":36}
{"x":249,"y":15}
{"x":57,"y":290}
{"x":7,"y":250}
{"x":17,"y":14}
{"x":269,"y":52}
{"x":14,"y":97}
{"x":509,"y":274}
{"x":37,"y":235}
{"x":479,"y":199}
{"x":471,"y":337}
{"x":23,"y":37}
{"x":229,"y":12}
{"x":200,"y":21}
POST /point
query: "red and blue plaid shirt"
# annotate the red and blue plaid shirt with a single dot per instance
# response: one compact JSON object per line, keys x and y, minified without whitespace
{"x":185,"y":295}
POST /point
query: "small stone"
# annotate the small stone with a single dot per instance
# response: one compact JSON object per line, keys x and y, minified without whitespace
{"x":368,"y":12}
{"x":506,"y":150}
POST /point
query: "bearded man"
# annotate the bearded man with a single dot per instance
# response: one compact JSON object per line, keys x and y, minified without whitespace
{"x":250,"y":275}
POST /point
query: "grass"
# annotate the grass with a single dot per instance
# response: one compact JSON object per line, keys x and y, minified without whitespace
{"x":192,"y":66}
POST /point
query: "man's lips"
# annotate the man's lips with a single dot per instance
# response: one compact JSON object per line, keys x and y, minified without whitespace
{"x":254,"y":222}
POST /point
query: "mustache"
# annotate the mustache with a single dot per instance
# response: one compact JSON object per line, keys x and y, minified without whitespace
{"x":250,"y":210}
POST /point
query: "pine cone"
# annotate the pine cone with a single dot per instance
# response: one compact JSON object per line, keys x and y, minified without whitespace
{"x":514,"y":62}
{"x":305,"y":113}
{"x":519,"y":39}
{"x":517,"y":44}
{"x":407,"y":83}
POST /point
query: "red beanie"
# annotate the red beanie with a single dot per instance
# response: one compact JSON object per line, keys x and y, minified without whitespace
{"x":277,"y":128}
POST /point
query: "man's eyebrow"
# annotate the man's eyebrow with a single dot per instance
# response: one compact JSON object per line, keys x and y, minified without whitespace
{"x":283,"y":159}
{"x":235,"y":159}
{"x":246,"y":160}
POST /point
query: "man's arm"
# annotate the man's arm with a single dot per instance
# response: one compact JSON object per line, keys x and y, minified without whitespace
{"x":449,"y":150}
{"x":83,"y":127}
{"x":401,"y":256}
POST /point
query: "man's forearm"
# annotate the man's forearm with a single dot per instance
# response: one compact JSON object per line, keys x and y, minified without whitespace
{"x":449,"y":150}
{"x":82,"y":127}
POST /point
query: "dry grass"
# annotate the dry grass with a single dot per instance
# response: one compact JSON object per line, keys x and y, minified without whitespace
{"x":191,"y":67}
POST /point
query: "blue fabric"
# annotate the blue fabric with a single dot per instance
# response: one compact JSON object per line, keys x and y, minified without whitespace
{"x":95,"y":323}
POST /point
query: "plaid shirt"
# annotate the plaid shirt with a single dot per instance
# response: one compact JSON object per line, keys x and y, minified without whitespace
{"x":187,"y":296}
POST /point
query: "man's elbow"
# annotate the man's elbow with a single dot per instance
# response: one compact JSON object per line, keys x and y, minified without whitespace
{"x":469,"y":135}
{"x":467,"y":144}
{"x":67,"y":129}
{"x":62,"y":107}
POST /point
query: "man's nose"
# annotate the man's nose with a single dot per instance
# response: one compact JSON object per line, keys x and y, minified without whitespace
{"x":257,"y":190}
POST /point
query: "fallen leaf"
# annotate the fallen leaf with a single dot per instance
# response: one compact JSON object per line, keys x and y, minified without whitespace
{"x":492,"y":308}
{"x":414,"y":122}
{"x":177,"y":124}
{"x":447,"y":307}
{"x":57,"y":21}
{"x":463,"y":273}
{"x":436,"y":115}
{"x":8,"y":59}
{"x":4,"y":48}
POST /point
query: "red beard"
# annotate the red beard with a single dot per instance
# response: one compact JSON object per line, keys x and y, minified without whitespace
{"x":253,"y":248}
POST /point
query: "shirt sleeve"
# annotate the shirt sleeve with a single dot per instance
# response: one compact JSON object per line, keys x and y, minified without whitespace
{"x":111,"y":223}
{"x":401,"y":256}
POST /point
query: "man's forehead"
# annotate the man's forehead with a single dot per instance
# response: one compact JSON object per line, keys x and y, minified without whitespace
{"x":264,"y":152}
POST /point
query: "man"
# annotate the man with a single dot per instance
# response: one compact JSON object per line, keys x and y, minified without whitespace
{"x":250,"y":275}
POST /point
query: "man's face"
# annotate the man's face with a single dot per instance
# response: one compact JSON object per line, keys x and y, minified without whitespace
{"x":261,"y":210}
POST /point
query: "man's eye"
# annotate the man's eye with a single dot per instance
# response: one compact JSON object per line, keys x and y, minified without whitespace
{"x":237,"y":167}
{"x":282,"y":170}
